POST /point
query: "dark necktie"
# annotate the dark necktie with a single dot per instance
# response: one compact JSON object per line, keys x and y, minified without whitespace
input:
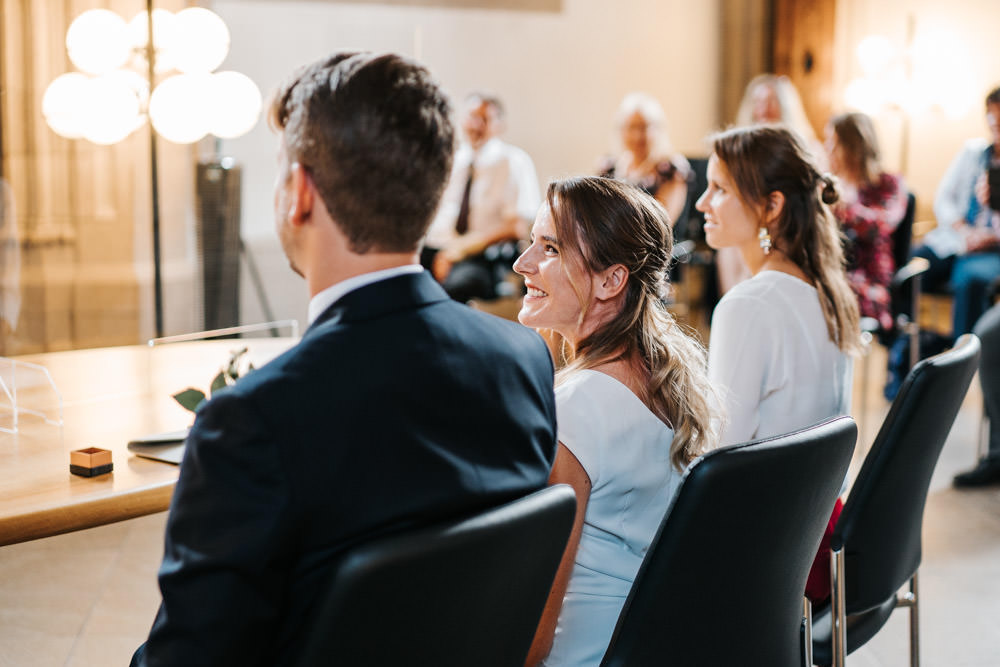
{"x":462,"y":223}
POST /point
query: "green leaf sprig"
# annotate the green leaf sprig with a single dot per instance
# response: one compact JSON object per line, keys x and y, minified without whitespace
{"x":191,"y":398}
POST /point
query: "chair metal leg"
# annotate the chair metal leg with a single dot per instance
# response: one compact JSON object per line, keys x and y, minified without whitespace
{"x":866,"y":343}
{"x":983,"y":447}
{"x":838,"y":616}
{"x":914,"y":330}
{"x":912,"y":601}
{"x":914,"y":624}
{"x":807,"y":643}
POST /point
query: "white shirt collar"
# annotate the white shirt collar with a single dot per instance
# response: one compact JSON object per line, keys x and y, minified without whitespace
{"x":485,"y":153}
{"x":331,"y":294}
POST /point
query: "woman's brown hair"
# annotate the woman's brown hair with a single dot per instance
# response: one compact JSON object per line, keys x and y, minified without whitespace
{"x":603,"y":222}
{"x":856,"y":136}
{"x":767,"y":159}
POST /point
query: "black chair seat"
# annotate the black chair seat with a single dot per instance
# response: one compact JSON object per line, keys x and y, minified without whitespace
{"x":875,"y":546}
{"x":723,"y":580}
{"x":860,"y":628}
{"x":460,"y":593}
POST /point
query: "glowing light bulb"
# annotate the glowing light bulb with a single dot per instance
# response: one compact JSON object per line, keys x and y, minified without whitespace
{"x":200,"y":41}
{"x":235,"y":105}
{"x":61,"y":104}
{"x":164,"y":31}
{"x":875,"y":53}
{"x":111,"y":112}
{"x":97,"y":41}
{"x":177,"y":107}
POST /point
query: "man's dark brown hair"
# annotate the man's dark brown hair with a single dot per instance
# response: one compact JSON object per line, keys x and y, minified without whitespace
{"x":374,"y":133}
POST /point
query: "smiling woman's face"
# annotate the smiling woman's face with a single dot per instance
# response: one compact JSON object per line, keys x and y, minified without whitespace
{"x":729,"y":222}
{"x":551,"y":301}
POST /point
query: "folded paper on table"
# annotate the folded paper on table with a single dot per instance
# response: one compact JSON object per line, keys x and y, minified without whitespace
{"x":167,"y":447}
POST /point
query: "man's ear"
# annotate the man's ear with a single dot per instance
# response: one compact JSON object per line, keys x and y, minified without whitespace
{"x":610,"y":282}
{"x":302,"y":192}
{"x":774,"y":206}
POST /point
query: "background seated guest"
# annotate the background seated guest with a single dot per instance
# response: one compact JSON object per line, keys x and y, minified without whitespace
{"x":646,"y":159}
{"x":964,"y":249}
{"x":987,"y":470}
{"x":780,"y":341}
{"x":397,"y":407}
{"x":491,"y":197}
{"x":772,"y":99}
{"x":769,"y":99}
{"x":633,"y":401}
{"x":872,"y":203}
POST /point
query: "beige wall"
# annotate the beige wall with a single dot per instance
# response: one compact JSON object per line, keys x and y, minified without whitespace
{"x":562,"y":74}
{"x":963,"y":30}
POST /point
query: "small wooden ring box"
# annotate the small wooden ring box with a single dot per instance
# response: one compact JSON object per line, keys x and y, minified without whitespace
{"x":90,"y":462}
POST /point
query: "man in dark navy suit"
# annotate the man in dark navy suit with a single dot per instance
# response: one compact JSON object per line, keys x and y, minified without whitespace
{"x":398,"y":407}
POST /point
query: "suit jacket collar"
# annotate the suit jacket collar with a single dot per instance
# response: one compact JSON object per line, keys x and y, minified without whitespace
{"x":382,"y":298}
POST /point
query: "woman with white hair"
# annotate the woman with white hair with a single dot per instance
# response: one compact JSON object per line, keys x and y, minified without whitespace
{"x":646,"y":159}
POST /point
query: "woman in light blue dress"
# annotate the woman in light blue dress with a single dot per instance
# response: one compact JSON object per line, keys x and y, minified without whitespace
{"x":633,"y":398}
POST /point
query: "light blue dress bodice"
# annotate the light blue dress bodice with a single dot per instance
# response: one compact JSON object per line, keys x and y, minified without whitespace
{"x":625,"y":450}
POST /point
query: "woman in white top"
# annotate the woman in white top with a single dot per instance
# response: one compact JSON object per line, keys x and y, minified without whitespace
{"x":781,"y":343}
{"x":632,"y":399}
{"x":769,"y":99}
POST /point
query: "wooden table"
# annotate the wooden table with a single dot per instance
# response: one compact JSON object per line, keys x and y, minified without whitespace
{"x":109,"y":396}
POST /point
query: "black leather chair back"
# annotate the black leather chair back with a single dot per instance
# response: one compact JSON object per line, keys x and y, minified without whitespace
{"x":902,"y":235}
{"x":467,"y":592}
{"x":880,"y":526}
{"x":691,"y":222}
{"x":723,"y":581}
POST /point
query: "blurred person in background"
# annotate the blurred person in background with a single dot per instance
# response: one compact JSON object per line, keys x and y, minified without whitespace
{"x":646,"y":159}
{"x":872,"y":204}
{"x":964,"y":249}
{"x":491,"y":197}
{"x":769,"y":99}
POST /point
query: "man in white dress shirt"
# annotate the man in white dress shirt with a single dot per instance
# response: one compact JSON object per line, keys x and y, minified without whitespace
{"x":491,"y":198}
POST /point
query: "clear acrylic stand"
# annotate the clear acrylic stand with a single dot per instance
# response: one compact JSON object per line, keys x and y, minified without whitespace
{"x":27,"y":389}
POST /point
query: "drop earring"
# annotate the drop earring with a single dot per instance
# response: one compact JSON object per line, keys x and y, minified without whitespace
{"x":765,"y":240}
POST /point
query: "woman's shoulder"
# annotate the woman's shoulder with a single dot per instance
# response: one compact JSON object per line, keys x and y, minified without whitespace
{"x":765,"y":294}
{"x":756,"y":288}
{"x":583,"y":386}
{"x":593,"y":397}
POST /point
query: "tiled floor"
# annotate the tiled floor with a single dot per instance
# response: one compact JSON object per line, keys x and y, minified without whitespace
{"x":88,"y":598}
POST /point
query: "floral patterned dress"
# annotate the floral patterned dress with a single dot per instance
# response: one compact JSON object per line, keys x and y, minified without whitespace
{"x":868,"y":222}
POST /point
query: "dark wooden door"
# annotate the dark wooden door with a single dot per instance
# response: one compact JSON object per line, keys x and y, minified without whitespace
{"x":803,"y":51}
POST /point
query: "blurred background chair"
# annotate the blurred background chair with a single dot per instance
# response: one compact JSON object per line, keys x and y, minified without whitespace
{"x":723,"y":582}
{"x":876,"y":544}
{"x":464,"y":592}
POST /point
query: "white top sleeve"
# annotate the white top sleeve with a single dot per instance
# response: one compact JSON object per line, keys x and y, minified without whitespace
{"x":737,"y":364}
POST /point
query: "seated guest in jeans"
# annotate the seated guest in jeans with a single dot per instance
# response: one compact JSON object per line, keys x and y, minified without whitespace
{"x":964,"y":249}
{"x":633,"y":400}
{"x":781,"y":341}
{"x":398,"y":407}
{"x":987,"y":470}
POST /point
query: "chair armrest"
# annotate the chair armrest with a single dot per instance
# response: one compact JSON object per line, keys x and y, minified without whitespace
{"x":913,"y":268}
